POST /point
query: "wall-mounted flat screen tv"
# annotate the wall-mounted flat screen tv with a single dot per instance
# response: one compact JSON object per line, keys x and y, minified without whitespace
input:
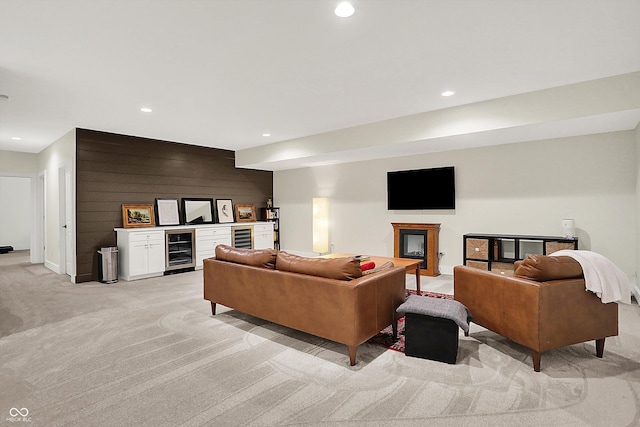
{"x":432,"y":188}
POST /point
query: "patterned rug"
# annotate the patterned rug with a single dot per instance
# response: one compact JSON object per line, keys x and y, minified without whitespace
{"x":385,"y":337}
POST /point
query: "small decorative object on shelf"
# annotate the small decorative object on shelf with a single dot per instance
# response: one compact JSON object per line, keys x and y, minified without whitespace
{"x":569,"y":228}
{"x":272,"y":214}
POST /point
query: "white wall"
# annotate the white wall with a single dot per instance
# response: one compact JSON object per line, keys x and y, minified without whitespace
{"x":13,"y":163}
{"x":523,"y":188}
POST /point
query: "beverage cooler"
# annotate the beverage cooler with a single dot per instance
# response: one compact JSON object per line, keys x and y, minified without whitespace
{"x":180,"y":251}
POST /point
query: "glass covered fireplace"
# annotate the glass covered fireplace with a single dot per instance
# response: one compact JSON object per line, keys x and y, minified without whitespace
{"x":413,"y":244}
{"x":420,"y":242}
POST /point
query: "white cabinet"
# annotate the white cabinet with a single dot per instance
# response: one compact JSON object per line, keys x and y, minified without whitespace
{"x":141,"y":253}
{"x":207,"y":239}
{"x":263,"y":236}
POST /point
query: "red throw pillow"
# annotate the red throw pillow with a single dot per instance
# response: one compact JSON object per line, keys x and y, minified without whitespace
{"x":367,"y":266}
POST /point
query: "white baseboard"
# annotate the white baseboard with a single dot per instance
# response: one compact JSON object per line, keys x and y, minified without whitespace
{"x":51,"y":266}
{"x":446,"y":269}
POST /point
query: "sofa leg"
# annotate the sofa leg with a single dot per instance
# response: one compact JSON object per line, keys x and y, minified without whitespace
{"x":536,"y":360}
{"x":600,"y":347}
{"x":213,"y":308}
{"x":352,"y":354}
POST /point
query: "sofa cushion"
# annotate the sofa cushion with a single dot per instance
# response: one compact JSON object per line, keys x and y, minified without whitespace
{"x":542,"y":268}
{"x":332,"y":268}
{"x":255,"y":257}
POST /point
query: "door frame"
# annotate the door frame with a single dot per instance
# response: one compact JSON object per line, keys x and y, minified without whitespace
{"x":66,"y":235}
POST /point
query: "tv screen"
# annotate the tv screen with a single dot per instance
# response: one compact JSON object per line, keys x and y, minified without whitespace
{"x":421,"y":189}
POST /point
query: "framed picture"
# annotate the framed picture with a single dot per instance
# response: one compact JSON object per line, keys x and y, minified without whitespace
{"x":167,"y":212}
{"x":197,"y":210}
{"x":245,"y":213}
{"x":138,"y":216}
{"x":224,"y":208}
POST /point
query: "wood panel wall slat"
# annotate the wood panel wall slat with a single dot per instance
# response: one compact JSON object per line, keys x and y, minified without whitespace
{"x":113,"y":169}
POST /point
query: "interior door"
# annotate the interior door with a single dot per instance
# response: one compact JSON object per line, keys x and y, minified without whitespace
{"x":69,"y":241}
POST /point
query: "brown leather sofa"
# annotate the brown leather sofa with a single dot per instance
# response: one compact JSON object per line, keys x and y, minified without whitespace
{"x":329,"y":298}
{"x":542,"y":307}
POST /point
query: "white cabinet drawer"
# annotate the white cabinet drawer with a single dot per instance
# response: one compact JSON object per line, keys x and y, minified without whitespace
{"x":209,"y":245}
{"x":213,"y":232}
{"x":204,"y":232}
{"x":261,"y":228}
{"x":146,"y":237}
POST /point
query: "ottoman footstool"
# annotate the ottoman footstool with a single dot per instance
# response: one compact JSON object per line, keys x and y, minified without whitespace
{"x":431,"y":327}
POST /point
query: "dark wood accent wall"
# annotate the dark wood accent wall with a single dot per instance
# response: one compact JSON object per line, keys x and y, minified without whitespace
{"x":113,"y":169}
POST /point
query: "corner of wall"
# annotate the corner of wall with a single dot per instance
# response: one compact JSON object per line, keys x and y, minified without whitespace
{"x":635,"y":289}
{"x":60,"y":152}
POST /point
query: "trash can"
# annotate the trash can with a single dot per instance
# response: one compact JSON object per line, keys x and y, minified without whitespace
{"x":108,"y":265}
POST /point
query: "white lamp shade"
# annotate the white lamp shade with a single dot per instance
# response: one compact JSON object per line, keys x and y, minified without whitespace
{"x":320,"y":224}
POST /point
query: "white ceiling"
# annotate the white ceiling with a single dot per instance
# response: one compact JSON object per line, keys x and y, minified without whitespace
{"x":220,"y":73}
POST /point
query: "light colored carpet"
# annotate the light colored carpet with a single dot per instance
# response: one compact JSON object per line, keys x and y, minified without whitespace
{"x":149,"y":353}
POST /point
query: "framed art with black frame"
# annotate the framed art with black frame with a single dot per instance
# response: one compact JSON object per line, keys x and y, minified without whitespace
{"x":167,"y":211}
{"x":197,"y":210}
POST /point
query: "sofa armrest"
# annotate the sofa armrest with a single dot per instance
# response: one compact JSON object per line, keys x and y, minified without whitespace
{"x":497,"y":302}
{"x":571,"y":314}
{"x":506,"y":305}
{"x":378,"y":296}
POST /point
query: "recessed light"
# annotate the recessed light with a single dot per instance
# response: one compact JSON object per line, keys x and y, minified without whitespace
{"x":266,"y":134}
{"x":344,"y":9}
{"x":146,"y":110}
{"x":16,"y":138}
{"x":447,"y":93}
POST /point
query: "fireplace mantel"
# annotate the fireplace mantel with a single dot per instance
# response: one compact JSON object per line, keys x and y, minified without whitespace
{"x":415,"y":231}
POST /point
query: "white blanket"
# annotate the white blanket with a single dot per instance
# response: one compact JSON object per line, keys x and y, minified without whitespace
{"x":601,"y":276}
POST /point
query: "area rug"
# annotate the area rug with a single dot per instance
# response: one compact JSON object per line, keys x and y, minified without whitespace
{"x":385,"y":337}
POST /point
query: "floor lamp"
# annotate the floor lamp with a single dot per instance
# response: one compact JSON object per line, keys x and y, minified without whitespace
{"x":320,"y":225}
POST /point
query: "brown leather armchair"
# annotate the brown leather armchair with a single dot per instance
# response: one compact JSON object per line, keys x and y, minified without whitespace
{"x":543,"y":306}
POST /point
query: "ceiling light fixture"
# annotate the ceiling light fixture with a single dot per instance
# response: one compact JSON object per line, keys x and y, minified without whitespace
{"x":447,"y":93}
{"x":266,"y":134}
{"x":16,"y":138}
{"x":344,"y":9}
{"x":146,"y":110}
